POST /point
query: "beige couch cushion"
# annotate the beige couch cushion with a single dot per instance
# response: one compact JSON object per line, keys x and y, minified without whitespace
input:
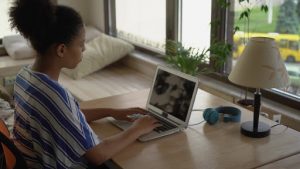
{"x":19,"y":48}
{"x":99,"y":53}
{"x":91,"y":33}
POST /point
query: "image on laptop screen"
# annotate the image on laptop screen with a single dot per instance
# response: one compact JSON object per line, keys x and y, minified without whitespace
{"x":172,"y":94}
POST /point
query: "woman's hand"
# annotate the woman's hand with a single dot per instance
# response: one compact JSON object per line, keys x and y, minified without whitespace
{"x":123,"y":114}
{"x":144,"y":125}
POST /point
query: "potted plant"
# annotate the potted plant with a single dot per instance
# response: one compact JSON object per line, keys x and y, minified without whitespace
{"x":193,"y":61}
{"x":186,"y":59}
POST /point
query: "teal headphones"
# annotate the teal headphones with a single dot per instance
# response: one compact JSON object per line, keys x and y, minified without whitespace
{"x":211,"y":115}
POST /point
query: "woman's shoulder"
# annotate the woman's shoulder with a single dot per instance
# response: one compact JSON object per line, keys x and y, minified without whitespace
{"x":41,"y":83}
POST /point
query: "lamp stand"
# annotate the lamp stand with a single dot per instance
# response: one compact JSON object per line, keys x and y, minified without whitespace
{"x":246,"y":101}
{"x":255,"y":128}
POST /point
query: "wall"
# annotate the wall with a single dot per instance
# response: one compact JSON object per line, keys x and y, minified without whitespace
{"x":92,"y":11}
{"x":79,"y":5}
{"x":96,"y":14}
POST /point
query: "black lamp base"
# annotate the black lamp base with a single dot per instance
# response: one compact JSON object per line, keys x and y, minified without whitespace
{"x":263,"y":129}
{"x":246,"y":102}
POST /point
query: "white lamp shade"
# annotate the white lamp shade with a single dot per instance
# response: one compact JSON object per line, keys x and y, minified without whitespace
{"x":260,"y":65}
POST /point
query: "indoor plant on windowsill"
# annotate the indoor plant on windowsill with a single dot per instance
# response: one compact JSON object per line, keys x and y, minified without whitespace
{"x":185,"y":59}
{"x":194,"y":61}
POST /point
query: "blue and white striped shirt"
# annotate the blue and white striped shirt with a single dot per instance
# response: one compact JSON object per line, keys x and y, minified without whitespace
{"x":50,"y":128}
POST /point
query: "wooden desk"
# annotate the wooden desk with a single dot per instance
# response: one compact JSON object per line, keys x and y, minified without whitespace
{"x":201,"y":146}
{"x":292,"y":162}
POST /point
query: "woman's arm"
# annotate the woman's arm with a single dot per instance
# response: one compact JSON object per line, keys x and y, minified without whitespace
{"x":112,"y":145}
{"x":119,"y":114}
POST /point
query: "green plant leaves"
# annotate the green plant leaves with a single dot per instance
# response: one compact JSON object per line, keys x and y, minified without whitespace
{"x":188,"y":59}
{"x":219,"y":52}
{"x":264,"y":8}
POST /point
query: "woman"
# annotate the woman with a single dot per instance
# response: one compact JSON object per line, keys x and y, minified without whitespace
{"x":50,"y":129}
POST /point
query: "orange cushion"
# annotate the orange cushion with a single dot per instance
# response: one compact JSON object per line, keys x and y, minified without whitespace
{"x":9,"y":157}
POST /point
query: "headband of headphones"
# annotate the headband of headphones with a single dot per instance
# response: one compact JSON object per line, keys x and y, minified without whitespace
{"x":211,"y":115}
{"x":230,"y":113}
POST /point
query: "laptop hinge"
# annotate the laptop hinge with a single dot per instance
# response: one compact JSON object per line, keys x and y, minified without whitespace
{"x":164,"y":116}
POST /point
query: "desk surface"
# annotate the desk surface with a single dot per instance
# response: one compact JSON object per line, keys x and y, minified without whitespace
{"x":292,"y":162}
{"x":199,"y":146}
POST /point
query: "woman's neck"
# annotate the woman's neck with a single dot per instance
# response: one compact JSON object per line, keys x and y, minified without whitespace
{"x":48,"y":66}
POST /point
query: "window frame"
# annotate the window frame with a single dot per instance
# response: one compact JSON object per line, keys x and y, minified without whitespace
{"x":224,"y":32}
{"x":110,"y":17}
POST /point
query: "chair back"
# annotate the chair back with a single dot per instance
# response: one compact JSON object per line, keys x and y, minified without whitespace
{"x":10,"y":156}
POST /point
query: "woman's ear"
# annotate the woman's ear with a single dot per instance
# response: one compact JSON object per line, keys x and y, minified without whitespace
{"x":60,"y":50}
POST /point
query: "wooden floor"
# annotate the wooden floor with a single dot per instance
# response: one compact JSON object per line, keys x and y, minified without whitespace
{"x":113,"y":80}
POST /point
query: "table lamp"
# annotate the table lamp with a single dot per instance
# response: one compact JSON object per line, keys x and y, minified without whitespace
{"x":259,"y":66}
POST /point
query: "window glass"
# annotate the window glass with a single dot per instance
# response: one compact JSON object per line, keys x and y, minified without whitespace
{"x":142,"y":22}
{"x":196,"y":17}
{"x":5,"y":26}
{"x":281,"y":22}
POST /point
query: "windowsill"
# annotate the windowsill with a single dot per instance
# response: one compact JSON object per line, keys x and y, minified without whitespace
{"x":146,"y":64}
{"x":143,"y":62}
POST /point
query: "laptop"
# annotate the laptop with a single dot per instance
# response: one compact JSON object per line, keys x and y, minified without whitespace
{"x":170,"y":101}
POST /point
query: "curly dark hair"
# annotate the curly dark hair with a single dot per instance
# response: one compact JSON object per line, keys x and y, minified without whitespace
{"x":44,"y":23}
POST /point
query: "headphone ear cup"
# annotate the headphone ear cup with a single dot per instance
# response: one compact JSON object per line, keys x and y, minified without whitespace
{"x":211,"y":115}
{"x":206,"y":113}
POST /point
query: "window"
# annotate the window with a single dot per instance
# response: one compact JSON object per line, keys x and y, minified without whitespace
{"x":142,"y":22}
{"x":149,"y":23}
{"x":5,"y":26}
{"x":281,"y":22}
{"x":196,"y":18}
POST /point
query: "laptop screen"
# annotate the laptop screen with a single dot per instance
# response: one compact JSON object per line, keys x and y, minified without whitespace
{"x":172,"y":94}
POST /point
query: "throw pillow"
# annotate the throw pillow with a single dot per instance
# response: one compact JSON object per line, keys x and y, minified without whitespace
{"x":99,"y":53}
{"x":91,"y":33}
{"x":17,"y":47}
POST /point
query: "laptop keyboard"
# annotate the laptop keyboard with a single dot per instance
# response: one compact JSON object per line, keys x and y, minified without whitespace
{"x":164,"y":126}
